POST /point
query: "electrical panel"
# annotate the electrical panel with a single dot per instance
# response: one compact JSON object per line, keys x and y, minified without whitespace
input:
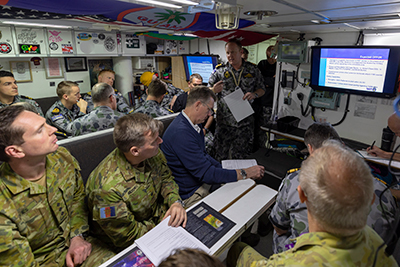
{"x":324,"y":99}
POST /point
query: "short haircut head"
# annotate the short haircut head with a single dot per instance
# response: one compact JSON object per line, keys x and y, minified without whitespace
{"x":318,"y":132}
{"x":339,"y":188}
{"x":245,"y":51}
{"x":191,"y":258}
{"x":195,"y":75}
{"x":65,"y":87}
{"x":157,"y":88}
{"x":130,"y":130}
{"x":236,"y":42}
{"x":200,"y":93}
{"x":27,"y":106}
{"x":10,"y":134}
{"x":104,"y":71}
{"x":4,"y":73}
{"x":101,"y":92}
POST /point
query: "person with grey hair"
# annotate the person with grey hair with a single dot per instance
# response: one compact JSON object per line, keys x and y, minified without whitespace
{"x":132,"y":189}
{"x":289,"y":215}
{"x":194,"y":170}
{"x":103,"y":116}
{"x":155,"y":95}
{"x":337,"y":187}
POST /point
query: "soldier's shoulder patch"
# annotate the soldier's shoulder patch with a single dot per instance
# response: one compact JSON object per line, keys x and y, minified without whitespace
{"x":227,"y":74}
{"x":220,"y":66}
{"x":57,"y":117}
{"x":107,"y":212}
{"x":293,"y":170}
{"x":26,"y":97}
{"x":55,"y":111}
{"x":58,"y":133}
{"x":89,"y":93}
{"x":248,"y":75}
{"x":115,"y":90}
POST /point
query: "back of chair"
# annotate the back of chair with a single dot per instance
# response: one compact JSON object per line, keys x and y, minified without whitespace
{"x":46,"y":102}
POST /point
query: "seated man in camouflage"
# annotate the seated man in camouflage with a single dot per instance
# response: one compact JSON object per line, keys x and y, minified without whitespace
{"x":289,"y":215}
{"x":337,"y":187}
{"x":132,"y":189}
{"x":70,"y":107}
{"x":155,"y":94}
{"x":172,"y":91}
{"x":108,"y":76}
{"x":9,"y":92}
{"x":103,"y":116}
{"x":43,"y":216}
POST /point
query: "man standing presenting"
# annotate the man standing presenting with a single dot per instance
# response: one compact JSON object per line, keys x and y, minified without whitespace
{"x":234,"y":140}
{"x":104,"y":114}
{"x":194,"y":170}
{"x":70,"y":106}
{"x":9,"y":92}
{"x":43,"y":216}
{"x":132,"y":189}
{"x":108,"y":76}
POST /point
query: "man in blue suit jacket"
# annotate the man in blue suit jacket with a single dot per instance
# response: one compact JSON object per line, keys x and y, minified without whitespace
{"x":194,"y":170}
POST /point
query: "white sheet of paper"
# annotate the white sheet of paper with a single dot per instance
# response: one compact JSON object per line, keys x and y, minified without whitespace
{"x":162,"y":240}
{"x":240,"y":108}
{"x":235,"y":164}
{"x":365,"y":155}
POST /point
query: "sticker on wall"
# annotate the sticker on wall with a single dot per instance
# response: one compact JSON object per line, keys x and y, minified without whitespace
{"x":27,"y":36}
{"x":67,"y":49}
{"x":95,"y":41}
{"x":102,"y":36}
{"x":54,"y":37}
{"x":5,"y":48}
{"x":84,"y":36}
{"x":94,"y":35}
{"x":132,"y":42}
{"x":109,"y":44}
{"x":29,"y":49}
{"x":53,"y":46}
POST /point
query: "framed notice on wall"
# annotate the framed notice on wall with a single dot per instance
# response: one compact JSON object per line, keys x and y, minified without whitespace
{"x":53,"y":68}
{"x":75,"y":64}
{"x":21,"y":70}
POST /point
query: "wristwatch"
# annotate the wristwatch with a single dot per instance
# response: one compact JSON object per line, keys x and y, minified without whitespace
{"x":180,"y":202}
{"x":256,"y":95}
{"x":243,"y":173}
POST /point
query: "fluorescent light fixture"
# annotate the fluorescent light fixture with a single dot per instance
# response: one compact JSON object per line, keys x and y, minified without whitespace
{"x":185,"y":2}
{"x":157,"y":3}
{"x":36,"y":24}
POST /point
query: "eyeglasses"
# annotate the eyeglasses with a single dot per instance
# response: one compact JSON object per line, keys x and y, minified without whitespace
{"x":209,"y":109}
{"x":115,"y":95}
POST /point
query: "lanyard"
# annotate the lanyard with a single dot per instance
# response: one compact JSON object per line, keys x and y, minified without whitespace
{"x":234,"y":78}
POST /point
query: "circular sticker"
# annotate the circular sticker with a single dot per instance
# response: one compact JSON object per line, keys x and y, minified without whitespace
{"x":5,"y":48}
{"x":53,"y":46}
{"x":95,"y":41}
{"x":102,"y":36}
{"x":109,"y":44}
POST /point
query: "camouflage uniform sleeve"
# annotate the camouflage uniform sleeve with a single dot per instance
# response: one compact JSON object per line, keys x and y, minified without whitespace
{"x":122,"y":106}
{"x":61,"y":122}
{"x":214,"y":78}
{"x":78,"y":212}
{"x":169,"y":189}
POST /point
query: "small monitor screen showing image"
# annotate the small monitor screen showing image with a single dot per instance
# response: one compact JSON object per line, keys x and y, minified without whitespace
{"x":291,"y":51}
{"x":203,"y":65}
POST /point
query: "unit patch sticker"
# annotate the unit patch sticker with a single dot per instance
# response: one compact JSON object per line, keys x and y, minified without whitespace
{"x":5,"y":48}
{"x":107,"y":212}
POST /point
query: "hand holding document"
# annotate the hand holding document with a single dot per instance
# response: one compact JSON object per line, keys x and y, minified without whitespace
{"x":240,"y":108}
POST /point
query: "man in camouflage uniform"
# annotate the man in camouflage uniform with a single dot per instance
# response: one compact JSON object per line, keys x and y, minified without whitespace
{"x":70,"y":107}
{"x":234,"y":140}
{"x":289,"y":215}
{"x":43,"y":216}
{"x":337,"y":187}
{"x":132,"y":189}
{"x":155,"y":94}
{"x":103,"y":116}
{"x":108,"y":76}
{"x":9,"y":92}
{"x":171,"y":94}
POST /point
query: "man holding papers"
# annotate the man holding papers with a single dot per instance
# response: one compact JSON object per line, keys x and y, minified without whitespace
{"x":184,"y":149}
{"x":234,"y":135}
{"x":132,"y":189}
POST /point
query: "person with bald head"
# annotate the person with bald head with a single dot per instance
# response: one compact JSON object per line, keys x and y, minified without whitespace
{"x":103,"y":116}
{"x":337,"y":187}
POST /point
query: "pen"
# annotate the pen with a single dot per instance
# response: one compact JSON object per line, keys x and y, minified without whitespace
{"x":373,"y":144}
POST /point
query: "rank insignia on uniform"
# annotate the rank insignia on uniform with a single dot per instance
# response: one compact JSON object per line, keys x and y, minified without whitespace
{"x":57,"y":117}
{"x":227,"y":74}
{"x":248,"y":75}
{"x":26,"y":97}
{"x":56,"y":110}
{"x":107,"y":212}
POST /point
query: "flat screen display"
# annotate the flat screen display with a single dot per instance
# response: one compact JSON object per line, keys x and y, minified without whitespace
{"x":359,"y":70}
{"x":203,"y":65}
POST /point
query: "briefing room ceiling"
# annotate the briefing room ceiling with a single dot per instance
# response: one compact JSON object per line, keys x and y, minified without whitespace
{"x":301,"y":16}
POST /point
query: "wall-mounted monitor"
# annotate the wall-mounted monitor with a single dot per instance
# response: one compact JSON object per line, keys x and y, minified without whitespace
{"x":293,"y":52}
{"x":203,"y":65}
{"x":360,"y":70}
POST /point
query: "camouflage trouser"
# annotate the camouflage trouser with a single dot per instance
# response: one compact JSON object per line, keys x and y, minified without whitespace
{"x":209,"y":142}
{"x":232,"y":142}
{"x":262,"y":119}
